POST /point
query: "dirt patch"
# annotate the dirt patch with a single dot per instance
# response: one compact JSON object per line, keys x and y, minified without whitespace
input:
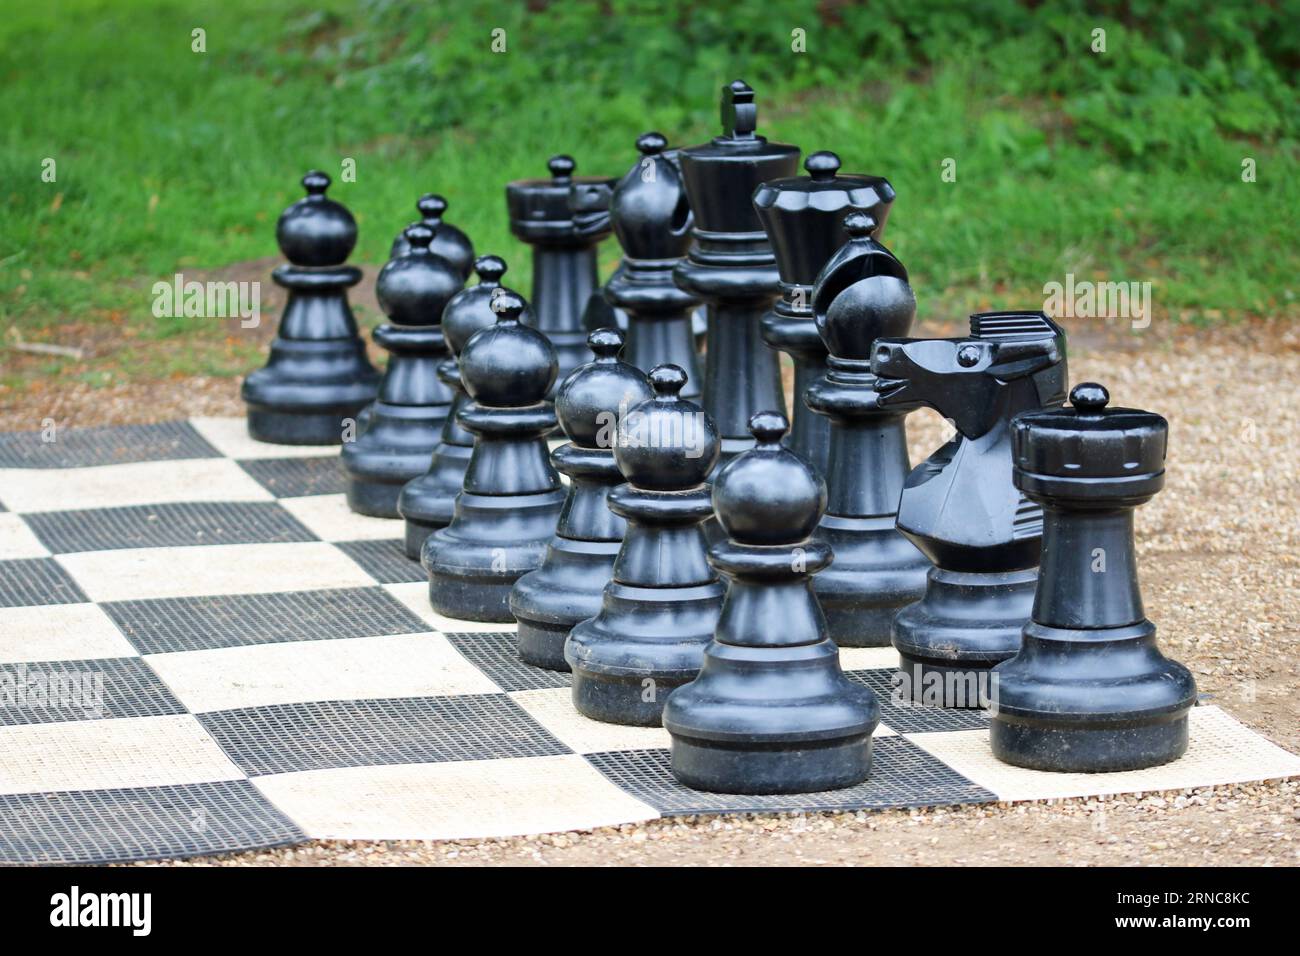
{"x":1252,"y":825}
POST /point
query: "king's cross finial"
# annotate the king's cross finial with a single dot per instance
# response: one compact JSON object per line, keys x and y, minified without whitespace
{"x":739,"y":114}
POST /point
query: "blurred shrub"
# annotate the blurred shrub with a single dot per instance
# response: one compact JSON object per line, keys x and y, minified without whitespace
{"x":1174,"y":75}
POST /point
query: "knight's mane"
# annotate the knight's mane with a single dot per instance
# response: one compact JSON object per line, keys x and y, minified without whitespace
{"x":1012,"y":326}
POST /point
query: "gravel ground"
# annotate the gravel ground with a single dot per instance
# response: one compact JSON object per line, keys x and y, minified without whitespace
{"x":1219,"y":572}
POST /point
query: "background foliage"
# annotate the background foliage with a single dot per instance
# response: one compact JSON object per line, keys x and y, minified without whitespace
{"x":1121,"y":165}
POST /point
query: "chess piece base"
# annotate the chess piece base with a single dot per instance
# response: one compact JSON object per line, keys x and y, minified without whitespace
{"x":428,"y":502}
{"x":792,"y":722}
{"x":394,"y":448}
{"x":283,"y":427}
{"x":490,"y":544}
{"x":644,"y":644}
{"x":876,"y":571}
{"x":1093,"y":701}
{"x":566,"y":590}
{"x":308,"y":390}
{"x":965,"y":624}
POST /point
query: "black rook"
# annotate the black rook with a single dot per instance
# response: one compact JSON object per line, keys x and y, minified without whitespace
{"x":1089,"y":690}
{"x":564,"y":254}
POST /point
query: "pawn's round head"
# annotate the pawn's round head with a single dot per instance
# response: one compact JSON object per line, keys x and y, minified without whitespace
{"x":418,"y":236}
{"x":414,"y":289}
{"x":651,"y":144}
{"x":594,"y":397}
{"x":666,"y":443}
{"x":431,"y":207}
{"x":471,"y":309}
{"x":316,"y":231}
{"x":489,"y":270}
{"x":507,"y":364}
{"x":768,"y":495}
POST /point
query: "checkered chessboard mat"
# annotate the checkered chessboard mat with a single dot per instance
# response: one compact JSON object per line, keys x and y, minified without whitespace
{"x":202,"y":650}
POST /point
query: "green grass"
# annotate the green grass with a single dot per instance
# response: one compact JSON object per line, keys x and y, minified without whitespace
{"x":1123,"y":166}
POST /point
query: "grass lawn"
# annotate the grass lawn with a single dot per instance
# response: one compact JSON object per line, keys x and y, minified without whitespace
{"x":1125,"y":165}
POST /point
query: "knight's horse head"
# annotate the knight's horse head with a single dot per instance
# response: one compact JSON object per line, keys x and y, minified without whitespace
{"x":1010,"y":362}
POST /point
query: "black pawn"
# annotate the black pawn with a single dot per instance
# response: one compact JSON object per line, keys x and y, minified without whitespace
{"x":960,"y":506}
{"x":318,"y":378}
{"x":428,"y":501}
{"x":730,"y":265}
{"x":402,"y":426}
{"x":862,"y":294}
{"x":448,"y":243}
{"x":804,"y":219}
{"x":1090,"y":691}
{"x":564,"y":254}
{"x":660,"y":608}
{"x":511,"y":499}
{"x":771,"y":711}
{"x":652,"y":220}
{"x":567,"y":588}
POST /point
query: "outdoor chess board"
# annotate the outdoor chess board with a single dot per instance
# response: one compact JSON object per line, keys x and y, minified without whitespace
{"x":202,"y":650}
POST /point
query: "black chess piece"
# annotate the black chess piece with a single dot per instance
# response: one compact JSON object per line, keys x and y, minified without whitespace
{"x":568,"y":587}
{"x":428,"y":501}
{"x":318,"y":378}
{"x":804,"y":219}
{"x":449,"y":242}
{"x":861,"y":295}
{"x":564,"y":252}
{"x":960,"y":507}
{"x":661,"y":605}
{"x":771,"y":711}
{"x":589,"y":202}
{"x":507,"y":509}
{"x":1089,"y":691}
{"x":403,"y":424}
{"x":653,"y":221}
{"x":731,"y":267}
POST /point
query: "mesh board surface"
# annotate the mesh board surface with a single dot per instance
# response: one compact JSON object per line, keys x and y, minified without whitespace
{"x":203,"y":650}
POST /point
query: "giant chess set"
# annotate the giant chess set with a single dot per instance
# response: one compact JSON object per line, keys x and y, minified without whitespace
{"x":581,"y":526}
